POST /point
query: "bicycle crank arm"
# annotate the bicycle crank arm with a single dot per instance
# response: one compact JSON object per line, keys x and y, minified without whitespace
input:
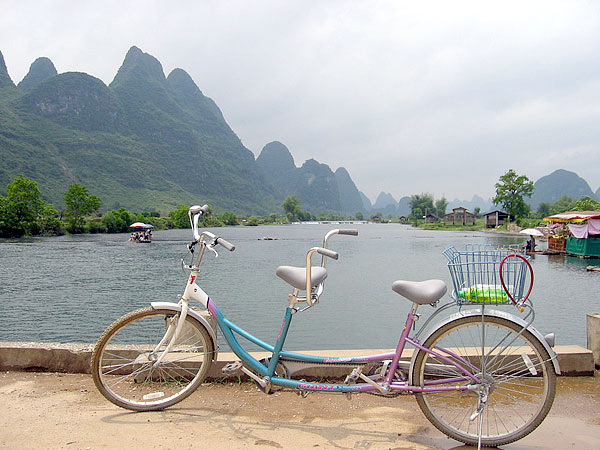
{"x":263,"y":382}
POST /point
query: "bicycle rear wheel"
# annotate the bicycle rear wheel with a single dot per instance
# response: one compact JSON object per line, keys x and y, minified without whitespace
{"x":124,"y":361}
{"x":514,"y":367}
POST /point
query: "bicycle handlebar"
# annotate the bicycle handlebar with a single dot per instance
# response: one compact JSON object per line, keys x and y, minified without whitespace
{"x":328,"y":253}
{"x":348,"y":232}
{"x":228,"y":245}
{"x":194,"y":214}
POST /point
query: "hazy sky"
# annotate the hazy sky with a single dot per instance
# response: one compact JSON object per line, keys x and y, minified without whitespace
{"x":410,"y":97}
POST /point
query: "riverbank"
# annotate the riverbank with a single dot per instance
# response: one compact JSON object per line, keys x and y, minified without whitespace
{"x":65,"y":411}
{"x":75,"y":358}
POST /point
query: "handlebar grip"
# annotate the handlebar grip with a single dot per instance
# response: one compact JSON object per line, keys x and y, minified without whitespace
{"x":349,"y":232}
{"x":195,"y":209}
{"x":328,"y":253}
{"x":228,"y":245}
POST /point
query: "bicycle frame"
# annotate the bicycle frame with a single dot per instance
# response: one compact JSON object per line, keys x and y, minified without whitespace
{"x":268,"y":371}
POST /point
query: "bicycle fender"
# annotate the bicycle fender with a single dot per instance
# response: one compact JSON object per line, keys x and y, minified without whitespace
{"x":500,"y":314}
{"x":196,"y":315}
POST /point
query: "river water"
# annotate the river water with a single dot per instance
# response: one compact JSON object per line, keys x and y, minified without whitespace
{"x":70,"y":288}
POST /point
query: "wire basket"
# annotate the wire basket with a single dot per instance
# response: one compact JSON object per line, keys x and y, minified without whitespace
{"x":477,"y":280}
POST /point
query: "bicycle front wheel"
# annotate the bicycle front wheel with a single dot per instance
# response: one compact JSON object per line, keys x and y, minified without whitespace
{"x":132,"y":368}
{"x":517,"y":388}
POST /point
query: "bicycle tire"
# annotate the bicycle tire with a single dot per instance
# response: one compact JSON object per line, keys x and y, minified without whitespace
{"x":522,"y":388}
{"x":123,"y":360}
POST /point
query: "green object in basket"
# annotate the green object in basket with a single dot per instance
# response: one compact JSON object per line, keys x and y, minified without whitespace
{"x":484,"y":293}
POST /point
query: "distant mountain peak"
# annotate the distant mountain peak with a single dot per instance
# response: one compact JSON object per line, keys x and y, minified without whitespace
{"x":341,"y":171}
{"x":40,"y":70}
{"x":384,"y":199}
{"x":4,"y":76}
{"x":275,"y":156}
{"x":188,"y":94}
{"x":551,"y":188}
{"x":139,"y":65}
{"x":182,"y":80}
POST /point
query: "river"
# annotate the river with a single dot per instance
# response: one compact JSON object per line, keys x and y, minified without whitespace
{"x":69,"y":288}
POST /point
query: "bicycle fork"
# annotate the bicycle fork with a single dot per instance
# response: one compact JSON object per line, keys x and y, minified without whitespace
{"x":171,"y":335}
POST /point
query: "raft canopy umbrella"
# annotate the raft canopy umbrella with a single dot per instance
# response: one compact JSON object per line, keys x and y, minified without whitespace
{"x":531,"y":232}
{"x":141,"y":225}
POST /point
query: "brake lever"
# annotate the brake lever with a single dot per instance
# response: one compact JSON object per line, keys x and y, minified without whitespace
{"x":212,"y":249}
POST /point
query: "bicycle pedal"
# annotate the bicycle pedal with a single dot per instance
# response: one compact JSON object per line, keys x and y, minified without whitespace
{"x":353,"y":376}
{"x":231,"y":368}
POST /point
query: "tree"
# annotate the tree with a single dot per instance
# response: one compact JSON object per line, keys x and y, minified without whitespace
{"x":291,"y":206}
{"x":544,"y":209}
{"x":440,"y":207}
{"x":181,"y":219}
{"x":117,"y":221}
{"x":48,"y":222}
{"x":21,"y":208}
{"x":79,"y":204}
{"x":510,"y":190}
{"x":587,"y":204}
{"x":565,"y":203}
{"x":422,"y":204}
{"x":228,"y":218}
{"x":180,"y":216}
{"x":359,"y":216}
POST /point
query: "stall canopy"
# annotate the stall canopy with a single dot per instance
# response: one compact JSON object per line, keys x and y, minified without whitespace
{"x":582,"y":224}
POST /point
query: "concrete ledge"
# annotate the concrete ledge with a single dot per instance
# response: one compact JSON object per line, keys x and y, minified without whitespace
{"x":75,"y":358}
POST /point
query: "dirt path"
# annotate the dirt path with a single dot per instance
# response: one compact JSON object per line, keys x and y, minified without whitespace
{"x":64,"y":411}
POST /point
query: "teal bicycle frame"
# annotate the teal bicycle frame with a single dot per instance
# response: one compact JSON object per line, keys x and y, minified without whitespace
{"x":267,"y":370}
{"x":265,"y":373}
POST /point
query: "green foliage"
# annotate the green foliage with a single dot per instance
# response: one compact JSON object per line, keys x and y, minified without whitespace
{"x":180,"y":217}
{"x":510,"y":190}
{"x":527,"y":223}
{"x":228,"y":218}
{"x":252,"y":221}
{"x":440,"y":207}
{"x":79,"y":204}
{"x":422,"y":204}
{"x":587,"y":204}
{"x":48,"y":222}
{"x":566,"y":203}
{"x":291,"y":206}
{"x":22,"y":208}
{"x":117,"y":221}
{"x":305,"y":216}
{"x":543,"y":209}
{"x":479,"y":224}
{"x":359,"y":216}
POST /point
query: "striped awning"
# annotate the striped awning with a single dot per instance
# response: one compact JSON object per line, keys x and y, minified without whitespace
{"x":573,"y":217}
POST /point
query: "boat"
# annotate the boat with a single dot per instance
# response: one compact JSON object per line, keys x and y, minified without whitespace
{"x":143,"y":233}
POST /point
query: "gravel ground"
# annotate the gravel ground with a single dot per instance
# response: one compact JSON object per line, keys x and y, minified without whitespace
{"x":64,"y":411}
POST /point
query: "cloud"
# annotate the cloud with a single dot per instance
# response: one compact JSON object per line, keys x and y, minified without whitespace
{"x":439,"y":97}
